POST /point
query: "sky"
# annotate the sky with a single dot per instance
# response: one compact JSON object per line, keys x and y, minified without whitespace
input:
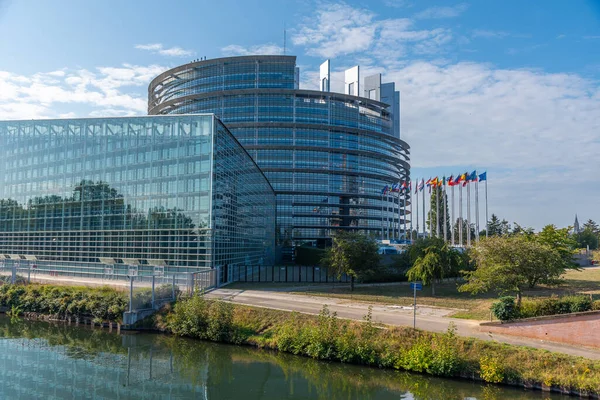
{"x":508,"y":87}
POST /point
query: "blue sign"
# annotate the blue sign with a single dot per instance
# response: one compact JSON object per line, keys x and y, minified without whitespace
{"x":416,"y":285}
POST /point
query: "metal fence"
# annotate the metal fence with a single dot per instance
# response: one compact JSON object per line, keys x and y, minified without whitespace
{"x":274,"y":273}
{"x":150,"y":292}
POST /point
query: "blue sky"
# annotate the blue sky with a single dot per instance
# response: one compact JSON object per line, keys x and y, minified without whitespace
{"x":511,"y":87}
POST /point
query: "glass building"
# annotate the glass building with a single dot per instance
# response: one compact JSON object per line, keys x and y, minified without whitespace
{"x":327,"y":155}
{"x":173,"y":191}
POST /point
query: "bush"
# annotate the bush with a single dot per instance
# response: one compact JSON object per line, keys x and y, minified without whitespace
{"x":505,"y":309}
{"x":490,"y":369}
{"x":596,"y":305}
{"x":554,"y":305}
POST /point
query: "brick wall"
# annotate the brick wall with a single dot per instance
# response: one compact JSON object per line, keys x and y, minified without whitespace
{"x":579,"y":329}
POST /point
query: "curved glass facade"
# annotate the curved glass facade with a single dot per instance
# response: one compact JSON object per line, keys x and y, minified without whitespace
{"x":327,"y":155}
{"x":176,"y":191}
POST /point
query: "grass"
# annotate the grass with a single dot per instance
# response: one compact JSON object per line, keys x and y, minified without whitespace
{"x":447,"y":295}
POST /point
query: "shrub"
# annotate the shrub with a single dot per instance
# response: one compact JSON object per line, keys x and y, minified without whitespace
{"x":437,"y":356}
{"x":490,"y":369}
{"x":596,"y":305}
{"x":554,"y":305}
{"x":505,"y":308}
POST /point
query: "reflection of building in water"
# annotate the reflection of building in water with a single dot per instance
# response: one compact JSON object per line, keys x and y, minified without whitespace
{"x":178,"y":191}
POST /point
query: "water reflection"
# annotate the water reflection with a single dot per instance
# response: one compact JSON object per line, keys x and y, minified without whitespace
{"x":55,"y":361}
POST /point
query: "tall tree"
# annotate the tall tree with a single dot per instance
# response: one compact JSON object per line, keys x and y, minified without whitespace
{"x":496,"y":227}
{"x":432,"y":259}
{"x":592,"y":226}
{"x":512,"y":264}
{"x":432,"y":214}
{"x":352,"y":254}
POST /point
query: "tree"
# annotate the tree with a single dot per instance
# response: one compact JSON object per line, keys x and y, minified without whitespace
{"x":497,"y":227}
{"x":432,"y":259}
{"x":586,"y":238}
{"x":561,"y":242}
{"x":352,"y":254}
{"x":432,"y":214}
{"x":592,"y":226}
{"x":511,"y":264}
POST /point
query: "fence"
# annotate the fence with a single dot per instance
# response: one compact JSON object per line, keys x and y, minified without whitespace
{"x":273,"y":273}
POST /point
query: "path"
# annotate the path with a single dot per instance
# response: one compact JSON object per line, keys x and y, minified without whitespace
{"x":428,"y":318}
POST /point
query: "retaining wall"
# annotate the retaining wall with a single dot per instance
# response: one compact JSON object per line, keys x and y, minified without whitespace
{"x":578,"y":328}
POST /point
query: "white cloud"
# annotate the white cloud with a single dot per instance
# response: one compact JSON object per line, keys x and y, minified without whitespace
{"x":338,"y":29}
{"x":158,"y":48}
{"x":115,"y":90}
{"x":442,"y":12}
{"x":484,"y":33}
{"x":264,"y":49}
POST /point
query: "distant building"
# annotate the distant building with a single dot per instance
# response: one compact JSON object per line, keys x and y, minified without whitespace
{"x":576,"y":228}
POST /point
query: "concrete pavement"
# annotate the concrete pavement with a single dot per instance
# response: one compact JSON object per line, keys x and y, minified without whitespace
{"x":428,"y":318}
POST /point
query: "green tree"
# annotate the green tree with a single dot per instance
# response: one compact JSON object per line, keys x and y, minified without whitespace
{"x":592,"y":226}
{"x":561,"y":242}
{"x":352,"y":254}
{"x":587,"y":238}
{"x":432,"y":259}
{"x":511,"y":264}
{"x":432,"y":214}
{"x":496,"y":227}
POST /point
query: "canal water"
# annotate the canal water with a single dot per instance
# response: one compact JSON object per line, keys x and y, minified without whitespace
{"x":40,"y":360}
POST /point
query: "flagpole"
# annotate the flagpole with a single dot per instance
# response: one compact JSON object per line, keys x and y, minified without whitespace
{"x":411,"y":211}
{"x":399,"y":215}
{"x":460,"y":216}
{"x":452,"y":216}
{"x":430,"y":234}
{"x":486,"y":209}
{"x":387,"y":215}
{"x":382,"y":225}
{"x":477,"y":209}
{"x":417,"y":213}
{"x":438,"y":226}
{"x":468,"y":215}
{"x":424,"y":225}
{"x":444,"y":204}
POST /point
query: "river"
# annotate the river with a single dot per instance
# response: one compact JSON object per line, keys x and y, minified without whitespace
{"x":40,"y":360}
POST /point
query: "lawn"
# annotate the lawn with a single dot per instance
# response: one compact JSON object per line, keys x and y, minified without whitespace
{"x":467,"y":306}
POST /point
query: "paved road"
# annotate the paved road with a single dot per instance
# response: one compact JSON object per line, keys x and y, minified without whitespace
{"x":428,"y":318}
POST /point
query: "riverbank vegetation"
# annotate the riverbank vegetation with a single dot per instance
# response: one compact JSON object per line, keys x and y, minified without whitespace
{"x":326,"y":337}
{"x":64,"y":302}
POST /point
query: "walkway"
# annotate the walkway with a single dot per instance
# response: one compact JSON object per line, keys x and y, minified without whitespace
{"x":428,"y":318}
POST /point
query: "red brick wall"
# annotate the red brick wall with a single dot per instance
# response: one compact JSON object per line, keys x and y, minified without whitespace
{"x":580,"y":329}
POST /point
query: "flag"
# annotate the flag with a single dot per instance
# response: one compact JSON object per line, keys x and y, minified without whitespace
{"x":463,"y":177}
{"x":395,"y":187}
{"x":434,"y":182}
{"x":483,"y":177}
{"x":421,"y":185}
{"x":457,"y":180}
{"x":385,"y":189}
{"x":404,"y":185}
{"x":428,"y":183}
{"x":473,"y":176}
{"x":416,"y":187}
{"x":451,"y":180}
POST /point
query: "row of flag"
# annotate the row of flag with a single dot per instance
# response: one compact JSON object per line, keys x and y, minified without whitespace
{"x":463,"y":179}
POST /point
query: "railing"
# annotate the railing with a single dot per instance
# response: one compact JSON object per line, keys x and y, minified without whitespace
{"x":274,"y":273}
